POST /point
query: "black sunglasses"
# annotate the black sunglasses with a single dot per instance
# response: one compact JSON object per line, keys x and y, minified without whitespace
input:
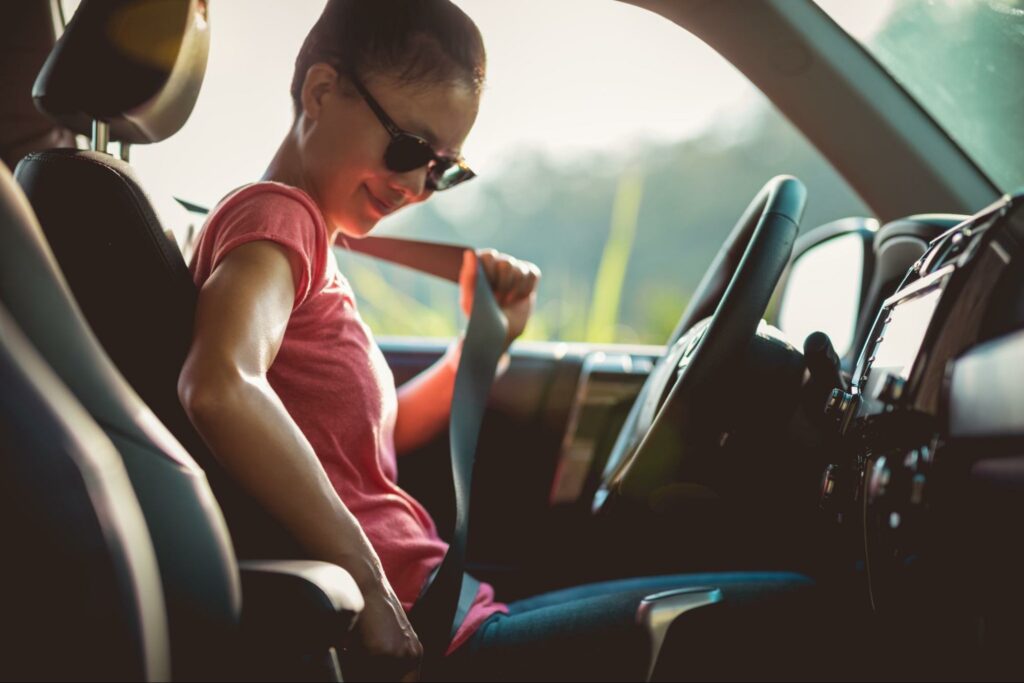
{"x":407,"y":152}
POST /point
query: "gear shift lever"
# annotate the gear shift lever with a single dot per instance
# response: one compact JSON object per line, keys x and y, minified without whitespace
{"x":823,"y":362}
{"x":657,"y":613}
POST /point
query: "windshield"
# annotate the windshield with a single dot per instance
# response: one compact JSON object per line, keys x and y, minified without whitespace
{"x":963,"y":60}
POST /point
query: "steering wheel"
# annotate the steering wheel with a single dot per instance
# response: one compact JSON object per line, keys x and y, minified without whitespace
{"x":658,"y":437}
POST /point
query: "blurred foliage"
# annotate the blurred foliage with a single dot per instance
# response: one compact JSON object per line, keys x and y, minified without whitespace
{"x":622,"y":238}
{"x":611,"y":274}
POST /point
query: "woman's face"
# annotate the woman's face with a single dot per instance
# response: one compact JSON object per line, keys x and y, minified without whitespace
{"x":342,"y":142}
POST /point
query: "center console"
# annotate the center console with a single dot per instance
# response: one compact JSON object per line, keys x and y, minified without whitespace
{"x":889,"y":425}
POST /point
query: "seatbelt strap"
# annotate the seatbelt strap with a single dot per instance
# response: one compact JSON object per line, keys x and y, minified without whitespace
{"x":467,"y":596}
{"x":443,"y":604}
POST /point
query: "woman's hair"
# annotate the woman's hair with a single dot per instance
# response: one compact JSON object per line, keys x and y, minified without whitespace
{"x":417,"y":41}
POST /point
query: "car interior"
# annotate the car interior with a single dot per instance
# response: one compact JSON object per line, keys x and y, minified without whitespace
{"x":882,"y":457}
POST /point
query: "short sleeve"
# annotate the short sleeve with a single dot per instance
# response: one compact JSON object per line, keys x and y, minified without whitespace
{"x":267,"y":212}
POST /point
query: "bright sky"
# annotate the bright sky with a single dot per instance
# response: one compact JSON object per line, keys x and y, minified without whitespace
{"x":564,"y":76}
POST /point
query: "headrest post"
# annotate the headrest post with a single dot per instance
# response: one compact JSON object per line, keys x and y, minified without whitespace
{"x":125,"y":151}
{"x":100,"y":136}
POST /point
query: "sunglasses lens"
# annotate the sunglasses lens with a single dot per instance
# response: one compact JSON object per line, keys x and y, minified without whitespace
{"x":448,"y":173}
{"x":406,"y":153}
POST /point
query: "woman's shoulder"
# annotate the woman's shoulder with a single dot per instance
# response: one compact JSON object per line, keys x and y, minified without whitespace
{"x":266,"y":211}
{"x":271,"y":209}
{"x":270,"y":199}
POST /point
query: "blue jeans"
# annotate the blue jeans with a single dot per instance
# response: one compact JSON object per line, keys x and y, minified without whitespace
{"x":590,"y":632}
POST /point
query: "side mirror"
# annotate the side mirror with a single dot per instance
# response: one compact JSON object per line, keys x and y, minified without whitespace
{"x":826,"y":283}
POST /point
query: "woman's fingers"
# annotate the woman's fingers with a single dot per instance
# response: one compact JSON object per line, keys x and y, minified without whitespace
{"x":510,"y":278}
{"x":523,"y":282}
{"x":489,"y":261}
{"x":528,"y":282}
{"x":507,"y":276}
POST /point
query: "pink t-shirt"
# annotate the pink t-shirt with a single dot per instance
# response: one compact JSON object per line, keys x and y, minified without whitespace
{"x":336,"y":384}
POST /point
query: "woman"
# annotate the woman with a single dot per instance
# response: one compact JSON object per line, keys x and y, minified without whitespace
{"x":285,"y":382}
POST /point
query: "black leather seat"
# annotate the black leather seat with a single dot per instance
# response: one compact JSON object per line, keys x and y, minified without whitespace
{"x":197,"y":564}
{"x":91,"y":76}
{"x":79,"y":582}
{"x":129,"y":278}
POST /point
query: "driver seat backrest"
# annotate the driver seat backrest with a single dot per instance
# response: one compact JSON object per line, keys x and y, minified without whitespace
{"x":87,"y":200}
{"x":198,"y":570}
{"x":128,"y":276}
{"x":80,"y":587}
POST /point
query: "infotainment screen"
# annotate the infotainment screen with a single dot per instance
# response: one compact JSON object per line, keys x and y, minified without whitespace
{"x":897,"y":340}
{"x":902,"y":336}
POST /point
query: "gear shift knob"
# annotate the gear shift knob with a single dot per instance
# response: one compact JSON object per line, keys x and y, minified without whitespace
{"x":823,"y":361}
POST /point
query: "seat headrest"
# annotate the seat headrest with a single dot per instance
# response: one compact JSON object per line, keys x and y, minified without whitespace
{"x":135,"y":64}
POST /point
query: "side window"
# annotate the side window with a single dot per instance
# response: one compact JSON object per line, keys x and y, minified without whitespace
{"x":67,"y":9}
{"x":613,"y":148}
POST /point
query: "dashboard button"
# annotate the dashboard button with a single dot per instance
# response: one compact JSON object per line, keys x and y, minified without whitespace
{"x":917,"y":489}
{"x":878,"y":484}
{"x":829,"y":483}
{"x":838,"y":403}
{"x":890,"y":389}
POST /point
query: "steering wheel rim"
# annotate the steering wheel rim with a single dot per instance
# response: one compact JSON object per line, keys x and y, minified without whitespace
{"x":716,"y":328}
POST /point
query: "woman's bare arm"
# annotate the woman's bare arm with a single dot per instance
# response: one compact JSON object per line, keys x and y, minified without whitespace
{"x":424,"y":402}
{"x":242,"y":314}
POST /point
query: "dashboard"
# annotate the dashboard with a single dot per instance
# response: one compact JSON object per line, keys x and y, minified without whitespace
{"x":937,"y":309}
{"x":908,"y":508}
{"x":892,"y":422}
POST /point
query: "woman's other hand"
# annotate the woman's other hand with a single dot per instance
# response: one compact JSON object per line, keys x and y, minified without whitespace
{"x":386,"y":647}
{"x":513,"y":281}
